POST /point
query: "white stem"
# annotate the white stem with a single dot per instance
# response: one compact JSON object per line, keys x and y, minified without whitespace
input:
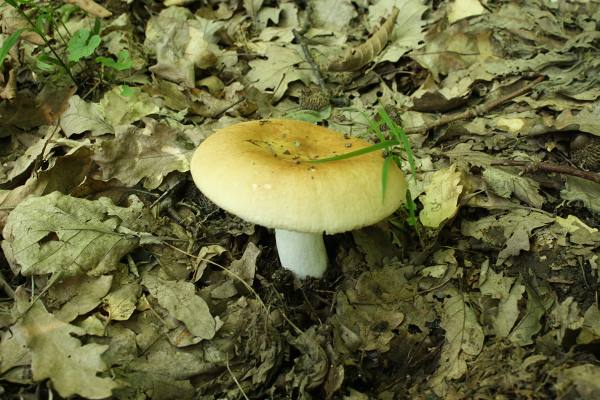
{"x":302,"y":253}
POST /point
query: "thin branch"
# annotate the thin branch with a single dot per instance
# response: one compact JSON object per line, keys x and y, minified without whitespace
{"x":222,"y":111}
{"x":311,"y":61}
{"x":237,"y":383}
{"x":479,"y":110}
{"x":551,"y":167}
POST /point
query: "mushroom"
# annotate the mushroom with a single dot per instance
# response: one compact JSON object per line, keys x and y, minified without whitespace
{"x":261,"y":172}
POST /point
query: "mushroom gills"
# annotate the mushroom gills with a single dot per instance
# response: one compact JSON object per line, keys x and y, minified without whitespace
{"x":302,"y":253}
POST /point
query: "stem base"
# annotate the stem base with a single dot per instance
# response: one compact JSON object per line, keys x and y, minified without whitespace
{"x":302,"y":253}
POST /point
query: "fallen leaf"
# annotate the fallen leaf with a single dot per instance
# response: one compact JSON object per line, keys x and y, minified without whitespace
{"x":282,"y":66}
{"x":146,"y":154}
{"x":464,"y":340}
{"x":505,"y":183}
{"x":564,"y":317}
{"x":333,"y":15}
{"x":440,"y":201}
{"x":507,"y":292}
{"x":69,"y":236}
{"x":590,"y":331}
{"x":408,"y":31}
{"x":245,"y":267}
{"x":57,"y":355}
{"x":539,"y":300}
{"x":582,"y":189}
{"x":84,"y":116}
{"x":121,"y":301}
{"x":461,"y":9}
{"x":583,"y":378}
{"x":181,"y":300}
{"x":78,"y":295}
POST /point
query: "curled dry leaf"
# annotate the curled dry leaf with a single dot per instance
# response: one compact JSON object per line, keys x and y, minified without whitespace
{"x":91,"y":7}
{"x":355,"y":59}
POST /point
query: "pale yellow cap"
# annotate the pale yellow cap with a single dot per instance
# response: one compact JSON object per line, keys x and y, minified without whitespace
{"x":259,"y":171}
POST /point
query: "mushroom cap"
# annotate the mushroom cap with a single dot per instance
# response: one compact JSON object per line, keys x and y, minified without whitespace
{"x":260,"y":171}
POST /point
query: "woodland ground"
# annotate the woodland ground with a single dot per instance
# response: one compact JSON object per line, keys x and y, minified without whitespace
{"x":119,"y":279}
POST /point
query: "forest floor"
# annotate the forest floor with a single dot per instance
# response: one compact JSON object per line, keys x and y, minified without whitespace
{"x":119,"y":279}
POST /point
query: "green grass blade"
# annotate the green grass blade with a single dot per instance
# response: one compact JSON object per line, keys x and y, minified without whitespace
{"x":374,"y":126}
{"x":9,"y":43}
{"x":359,"y":152}
{"x":412,"y":210}
{"x":401,"y":137}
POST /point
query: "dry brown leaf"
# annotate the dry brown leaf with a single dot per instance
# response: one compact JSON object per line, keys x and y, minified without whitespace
{"x":356,"y":58}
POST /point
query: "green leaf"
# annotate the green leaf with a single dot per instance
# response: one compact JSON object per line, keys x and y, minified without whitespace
{"x":41,"y":22}
{"x":127,"y":91}
{"x":97,"y":26}
{"x":400,"y":137}
{"x":46,"y":63}
{"x":82,"y":44}
{"x":412,"y":209}
{"x":9,"y":43}
{"x":65,"y":11}
{"x":374,"y":127}
{"x":122,"y":63}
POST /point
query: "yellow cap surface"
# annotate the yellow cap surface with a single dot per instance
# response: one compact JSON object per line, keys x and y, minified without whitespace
{"x":260,"y":171}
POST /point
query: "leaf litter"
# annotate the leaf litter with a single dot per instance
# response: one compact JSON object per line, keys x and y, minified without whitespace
{"x":119,"y":279}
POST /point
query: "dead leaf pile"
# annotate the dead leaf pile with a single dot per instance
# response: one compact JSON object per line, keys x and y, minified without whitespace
{"x":120,"y":280}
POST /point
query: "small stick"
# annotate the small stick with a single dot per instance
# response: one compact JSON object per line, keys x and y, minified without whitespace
{"x":237,"y":383}
{"x":551,"y":167}
{"x":479,"y":110}
{"x":298,"y":35}
{"x":311,"y":61}
{"x":227,"y":108}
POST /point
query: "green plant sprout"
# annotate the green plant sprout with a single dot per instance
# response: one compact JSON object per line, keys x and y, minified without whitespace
{"x":81,"y":45}
{"x":122,"y":63}
{"x":36,"y":26}
{"x":397,"y":138}
{"x":9,"y":43}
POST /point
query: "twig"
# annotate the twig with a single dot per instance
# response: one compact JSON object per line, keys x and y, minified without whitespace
{"x":311,"y":61}
{"x":550,"y":167}
{"x":237,"y":383}
{"x":164,"y":195}
{"x":40,"y":158}
{"x":479,"y":110}
{"x":227,"y":108}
